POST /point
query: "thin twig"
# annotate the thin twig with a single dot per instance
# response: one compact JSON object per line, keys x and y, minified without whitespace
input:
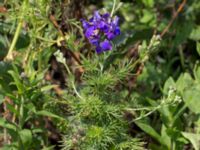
{"x":180,"y":8}
{"x":55,"y":23}
{"x":53,"y":20}
{"x":140,"y":68}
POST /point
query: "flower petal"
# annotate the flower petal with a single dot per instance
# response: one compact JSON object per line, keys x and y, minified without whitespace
{"x":115,"y":21}
{"x":99,"y":50}
{"x":97,"y":16}
{"x":90,"y":31}
{"x":85,"y":24}
{"x":106,"y":45}
{"x":94,"y":41}
{"x":117,"y":31}
{"x":110,"y":35}
{"x":103,"y":26}
{"x":106,"y":16}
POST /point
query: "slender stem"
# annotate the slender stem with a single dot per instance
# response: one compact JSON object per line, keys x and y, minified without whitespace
{"x":180,"y":8}
{"x":181,"y":110}
{"x":181,"y":57}
{"x":138,"y":109}
{"x":67,"y":68}
{"x":72,"y":82}
{"x":46,"y":40}
{"x":113,"y":9}
{"x":14,"y":41}
{"x":153,"y":110}
{"x":21,"y":112}
{"x":75,"y":90}
{"x":172,"y":145}
{"x":17,"y":32}
{"x":147,"y":114}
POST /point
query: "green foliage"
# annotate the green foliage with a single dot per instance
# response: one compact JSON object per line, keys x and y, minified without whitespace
{"x":57,"y":93}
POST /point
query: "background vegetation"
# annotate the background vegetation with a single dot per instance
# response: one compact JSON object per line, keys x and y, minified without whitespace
{"x":56,"y":92}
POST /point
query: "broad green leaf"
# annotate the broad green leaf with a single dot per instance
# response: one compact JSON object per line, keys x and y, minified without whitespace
{"x":26,"y":137}
{"x":184,"y":81}
{"x":149,"y":130}
{"x":193,"y":138}
{"x":191,"y":98}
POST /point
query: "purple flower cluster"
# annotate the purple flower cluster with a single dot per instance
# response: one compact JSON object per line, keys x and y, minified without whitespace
{"x":100,"y":30}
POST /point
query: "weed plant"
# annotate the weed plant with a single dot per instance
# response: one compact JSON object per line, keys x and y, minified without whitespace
{"x":127,"y":79}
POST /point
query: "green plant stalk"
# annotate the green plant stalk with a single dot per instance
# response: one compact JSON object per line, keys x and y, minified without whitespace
{"x":113,"y":9}
{"x":18,"y":30}
{"x":181,"y":110}
{"x":72,"y":82}
{"x":21,"y":113}
{"x":67,"y":68}
{"x":181,"y":57}
{"x":40,"y":61}
{"x":172,"y":145}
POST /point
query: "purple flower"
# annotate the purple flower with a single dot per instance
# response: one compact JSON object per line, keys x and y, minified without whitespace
{"x":100,"y":30}
{"x":90,"y":31}
{"x":106,"y":45}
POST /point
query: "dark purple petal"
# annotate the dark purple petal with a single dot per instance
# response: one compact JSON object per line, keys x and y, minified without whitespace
{"x":106,"y":45}
{"x":94,"y":41}
{"x":110,"y":35}
{"x":85,"y":24}
{"x":106,"y":16}
{"x":103,"y":26}
{"x":117,"y":31}
{"x":91,"y":19}
{"x":99,"y":50}
{"x":90,"y":31}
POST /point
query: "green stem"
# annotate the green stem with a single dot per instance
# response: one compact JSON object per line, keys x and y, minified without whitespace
{"x":181,"y":57}
{"x":147,"y":114}
{"x":14,"y":41}
{"x":181,"y":110}
{"x":67,"y":68}
{"x":17,"y":32}
{"x":21,"y":113}
{"x":113,"y":9}
{"x":45,"y":40}
{"x":72,"y":82}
